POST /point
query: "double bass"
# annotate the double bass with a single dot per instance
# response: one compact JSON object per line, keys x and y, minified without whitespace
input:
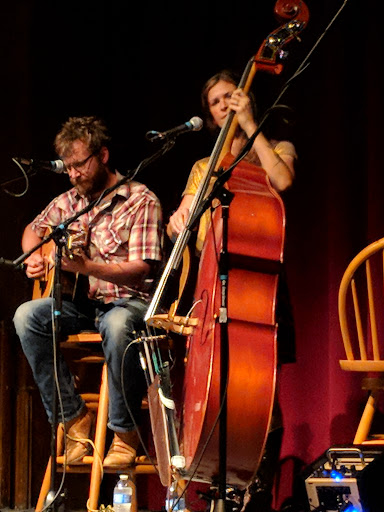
{"x":254,"y":236}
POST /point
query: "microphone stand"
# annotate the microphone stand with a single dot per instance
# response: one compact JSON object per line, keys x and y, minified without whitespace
{"x":59,"y":236}
{"x":225,"y":197}
{"x":60,"y":241}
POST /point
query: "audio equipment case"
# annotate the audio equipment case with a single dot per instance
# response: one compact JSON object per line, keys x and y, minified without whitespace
{"x":347,"y":479}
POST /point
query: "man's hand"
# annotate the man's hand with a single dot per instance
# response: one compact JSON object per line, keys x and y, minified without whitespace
{"x":35,"y":266}
{"x":76,"y":262}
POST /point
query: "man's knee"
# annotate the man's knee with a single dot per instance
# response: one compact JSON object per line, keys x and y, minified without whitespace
{"x":26,"y":313}
{"x":119,"y":323}
{"x":21,"y":315}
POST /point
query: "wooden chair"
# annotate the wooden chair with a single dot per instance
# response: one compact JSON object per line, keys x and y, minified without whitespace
{"x":93,"y":464}
{"x":361,"y":316}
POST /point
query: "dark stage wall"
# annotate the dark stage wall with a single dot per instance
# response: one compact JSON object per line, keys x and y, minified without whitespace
{"x":142,"y":69}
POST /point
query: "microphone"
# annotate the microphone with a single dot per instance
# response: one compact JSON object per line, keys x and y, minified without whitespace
{"x":56,"y":166}
{"x":10,"y":263}
{"x":194,"y":124}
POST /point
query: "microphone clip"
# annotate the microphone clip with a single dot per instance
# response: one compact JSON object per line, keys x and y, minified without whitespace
{"x":153,"y":135}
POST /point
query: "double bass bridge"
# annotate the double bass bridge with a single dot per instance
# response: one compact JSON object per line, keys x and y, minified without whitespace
{"x":182,"y":325}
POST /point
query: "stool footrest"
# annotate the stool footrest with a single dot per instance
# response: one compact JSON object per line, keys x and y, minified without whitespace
{"x":140,"y":464}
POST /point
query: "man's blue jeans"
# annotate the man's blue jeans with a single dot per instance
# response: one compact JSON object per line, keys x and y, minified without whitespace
{"x":119,"y":323}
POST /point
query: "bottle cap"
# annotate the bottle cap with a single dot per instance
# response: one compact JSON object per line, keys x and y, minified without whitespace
{"x":123,"y":477}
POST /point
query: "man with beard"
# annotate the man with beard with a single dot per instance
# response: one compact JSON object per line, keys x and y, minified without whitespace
{"x":122,"y":237}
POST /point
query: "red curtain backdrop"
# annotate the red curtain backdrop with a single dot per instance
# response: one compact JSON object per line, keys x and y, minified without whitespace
{"x":144,"y":72}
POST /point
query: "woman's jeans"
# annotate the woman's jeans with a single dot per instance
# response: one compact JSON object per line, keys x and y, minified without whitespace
{"x":119,"y":323}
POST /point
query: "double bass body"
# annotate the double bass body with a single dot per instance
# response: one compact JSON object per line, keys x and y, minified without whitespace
{"x":256,"y":229}
{"x":255,"y":245}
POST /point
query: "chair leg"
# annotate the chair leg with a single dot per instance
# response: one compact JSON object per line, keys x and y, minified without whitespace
{"x":366,"y":419}
{"x":45,"y":487}
{"x":100,"y":435}
{"x":134,"y":507}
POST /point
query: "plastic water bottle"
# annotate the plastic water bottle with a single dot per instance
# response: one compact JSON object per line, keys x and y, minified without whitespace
{"x":172,"y":502}
{"x":122,"y":494}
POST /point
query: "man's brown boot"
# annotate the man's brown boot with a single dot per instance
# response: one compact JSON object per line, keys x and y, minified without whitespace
{"x":78,"y":432}
{"x":123,"y":449}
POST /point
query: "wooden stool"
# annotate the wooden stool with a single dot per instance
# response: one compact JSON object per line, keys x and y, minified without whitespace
{"x":93,"y":464}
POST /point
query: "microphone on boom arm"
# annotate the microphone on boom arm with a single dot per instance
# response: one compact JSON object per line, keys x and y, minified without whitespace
{"x":193,"y":125}
{"x":56,"y":166}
